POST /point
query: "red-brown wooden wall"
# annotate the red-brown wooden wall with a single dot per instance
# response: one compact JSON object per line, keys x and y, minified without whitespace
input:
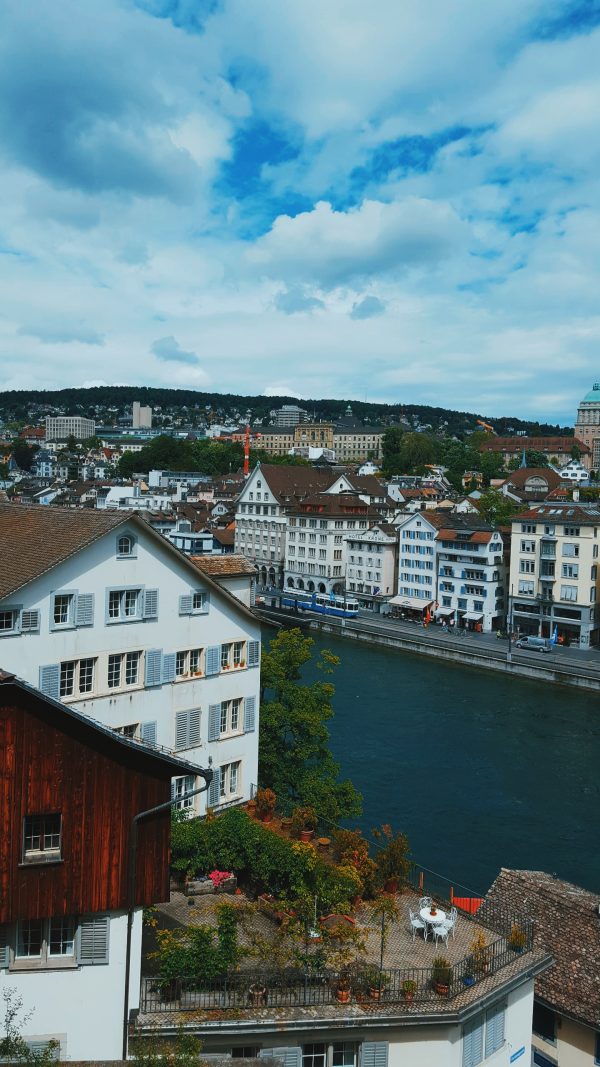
{"x":50,"y":763}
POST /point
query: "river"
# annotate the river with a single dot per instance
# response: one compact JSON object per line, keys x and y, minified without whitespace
{"x":481,"y":771}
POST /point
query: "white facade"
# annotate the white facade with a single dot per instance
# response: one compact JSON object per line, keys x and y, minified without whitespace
{"x":574,"y":471}
{"x":147,"y":645}
{"x":141,"y":416}
{"x":260,"y":525}
{"x":471,"y":579}
{"x":371,"y":563}
{"x":59,"y":427}
{"x":316,"y":552}
{"x":416,"y":563}
{"x":80,"y":1004}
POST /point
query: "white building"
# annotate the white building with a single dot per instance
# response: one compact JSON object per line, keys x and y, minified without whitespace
{"x":59,"y":427}
{"x":141,"y":416}
{"x":371,"y":562}
{"x":574,"y":471}
{"x":316,"y":550}
{"x":102,"y":612}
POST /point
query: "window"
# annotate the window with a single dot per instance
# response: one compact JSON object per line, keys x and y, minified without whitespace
{"x":544,"y":1022}
{"x":42,"y":837}
{"x":181,"y":786}
{"x":125,"y":546}
{"x":9,"y":619}
{"x":29,"y":938}
{"x":76,"y":677}
{"x":230,"y":717}
{"x":570,"y":549}
{"x":61,"y":939}
{"x":570,"y":570}
{"x":239,"y":659}
{"x":225,"y":657}
{"x":483,"y":1036}
{"x":314,"y":1055}
{"x":572,"y":531}
{"x":123,"y":669}
{"x":541,"y":1060}
{"x":568,"y":592}
{"x":199,"y":602}
{"x":343,"y":1054}
{"x":45,"y":942}
{"x":249,"y":1052}
{"x":188,"y":662}
{"x":527,"y":566}
{"x":62,"y":610}
{"x":123,"y":604}
{"x":229,"y":780}
{"x":526,"y":587}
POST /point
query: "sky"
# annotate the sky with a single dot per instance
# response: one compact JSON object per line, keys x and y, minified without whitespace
{"x":395,"y":201}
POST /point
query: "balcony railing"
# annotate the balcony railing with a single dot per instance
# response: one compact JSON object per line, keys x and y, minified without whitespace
{"x":293,"y":988}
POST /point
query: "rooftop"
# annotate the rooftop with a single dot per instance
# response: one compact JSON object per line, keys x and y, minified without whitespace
{"x":556,"y":445}
{"x":567,"y":923}
{"x":228,"y":565}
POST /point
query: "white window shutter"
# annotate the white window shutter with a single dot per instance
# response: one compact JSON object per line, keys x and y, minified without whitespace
{"x":84,"y":609}
{"x":4,"y":947}
{"x":30,"y":622}
{"x":494,"y":1029}
{"x":253,"y":653}
{"x":473,"y":1043}
{"x":148,"y":732}
{"x":374,"y":1054}
{"x":93,"y":937}
{"x":181,"y":729}
{"x":185,"y":604}
{"x":214,"y":722}
{"x":214,"y":789}
{"x":212,"y":660}
{"x":249,"y":715}
{"x":49,"y":680}
{"x":193,"y":727}
{"x":150,"y":606}
{"x":168,"y":667}
{"x":153,"y":667}
{"x":291,"y":1055}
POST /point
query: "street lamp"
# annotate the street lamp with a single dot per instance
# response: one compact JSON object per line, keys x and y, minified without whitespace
{"x":131,"y":862}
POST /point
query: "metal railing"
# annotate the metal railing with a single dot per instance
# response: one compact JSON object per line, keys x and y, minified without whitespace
{"x":292,"y":988}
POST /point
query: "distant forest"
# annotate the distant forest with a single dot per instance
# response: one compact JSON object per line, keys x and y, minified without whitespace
{"x":17,"y":406}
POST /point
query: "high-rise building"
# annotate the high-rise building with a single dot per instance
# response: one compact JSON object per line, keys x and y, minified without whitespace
{"x":289,"y":415}
{"x":141,"y":417}
{"x":59,"y":427}
{"x":587,"y":427}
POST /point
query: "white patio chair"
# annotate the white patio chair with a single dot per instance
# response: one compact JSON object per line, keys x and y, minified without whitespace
{"x":450,"y":921}
{"x":440,"y":933}
{"x":417,"y":924}
{"x":425,"y":902}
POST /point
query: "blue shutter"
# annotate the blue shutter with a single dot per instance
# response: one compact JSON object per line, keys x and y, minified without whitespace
{"x":214,"y":722}
{"x":168,"y":667}
{"x":92,"y":940}
{"x":49,"y":682}
{"x":193,"y":727}
{"x":30,"y":621}
{"x":494,"y":1029}
{"x":253,"y":653}
{"x":374,"y":1054}
{"x":84,"y":609}
{"x":148,"y":732}
{"x":181,"y":729}
{"x":153,"y":675}
{"x":185,"y":604}
{"x":150,"y":606}
{"x":214,"y":789}
{"x":212,"y":660}
{"x":249,"y":715}
{"x":4,"y":954}
{"x":473,"y":1043}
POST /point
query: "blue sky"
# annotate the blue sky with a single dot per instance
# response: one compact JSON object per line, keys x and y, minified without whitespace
{"x":395,"y":200}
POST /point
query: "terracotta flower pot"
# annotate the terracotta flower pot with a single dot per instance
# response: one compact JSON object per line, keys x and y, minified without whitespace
{"x":307,"y":835}
{"x":343,"y":994}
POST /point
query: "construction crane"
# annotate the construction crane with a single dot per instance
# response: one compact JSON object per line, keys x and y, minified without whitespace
{"x":247,"y":451}
{"x":486,"y":426}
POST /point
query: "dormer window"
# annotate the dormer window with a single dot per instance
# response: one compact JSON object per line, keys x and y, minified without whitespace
{"x":42,"y":838}
{"x":125,"y":546}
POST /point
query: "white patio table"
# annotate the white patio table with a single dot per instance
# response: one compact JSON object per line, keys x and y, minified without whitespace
{"x":432,"y":920}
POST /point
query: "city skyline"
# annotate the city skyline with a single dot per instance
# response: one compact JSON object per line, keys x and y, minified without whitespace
{"x":391,"y":201}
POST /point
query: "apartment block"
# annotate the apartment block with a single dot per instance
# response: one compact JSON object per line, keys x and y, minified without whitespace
{"x":59,"y":427}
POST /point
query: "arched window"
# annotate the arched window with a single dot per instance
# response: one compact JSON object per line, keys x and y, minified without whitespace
{"x":125,"y":545}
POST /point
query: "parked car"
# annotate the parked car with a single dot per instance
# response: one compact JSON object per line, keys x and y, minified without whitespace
{"x":535,"y":644}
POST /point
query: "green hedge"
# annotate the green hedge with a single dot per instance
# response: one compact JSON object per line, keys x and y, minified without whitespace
{"x":234,"y":842}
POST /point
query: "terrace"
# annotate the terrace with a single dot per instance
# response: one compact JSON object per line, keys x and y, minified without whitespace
{"x":396,"y":978}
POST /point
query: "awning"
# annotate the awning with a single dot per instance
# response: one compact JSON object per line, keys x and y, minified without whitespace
{"x":445,"y":611}
{"x":412,"y":602}
{"x":473,"y":616}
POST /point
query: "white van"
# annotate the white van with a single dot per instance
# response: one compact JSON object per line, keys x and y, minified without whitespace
{"x":536,"y":644}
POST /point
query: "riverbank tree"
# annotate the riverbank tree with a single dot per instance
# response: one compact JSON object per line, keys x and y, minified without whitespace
{"x":295,"y":760}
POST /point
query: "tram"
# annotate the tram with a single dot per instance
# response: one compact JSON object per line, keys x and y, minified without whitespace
{"x":321,"y":603}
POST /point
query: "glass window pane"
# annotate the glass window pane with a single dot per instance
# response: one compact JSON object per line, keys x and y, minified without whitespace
{"x":62,"y":937}
{"x":29,"y":938}
{"x":114,"y":671}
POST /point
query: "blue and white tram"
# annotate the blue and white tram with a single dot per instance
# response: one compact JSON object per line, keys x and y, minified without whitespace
{"x":321,"y":603}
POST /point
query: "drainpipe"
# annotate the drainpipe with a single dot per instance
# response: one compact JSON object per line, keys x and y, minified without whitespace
{"x":131,"y":864}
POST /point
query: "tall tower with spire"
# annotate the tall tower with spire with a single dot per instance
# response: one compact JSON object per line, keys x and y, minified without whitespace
{"x":587,"y":427}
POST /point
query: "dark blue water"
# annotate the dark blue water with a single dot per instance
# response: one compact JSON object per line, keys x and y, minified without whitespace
{"x":480,"y":770}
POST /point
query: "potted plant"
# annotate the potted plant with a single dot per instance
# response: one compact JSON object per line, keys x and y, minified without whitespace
{"x":479,"y":954}
{"x":343,"y":988}
{"x":375,"y":981}
{"x":265,"y":804}
{"x":441,"y":975}
{"x":518,"y":938}
{"x":257,"y":994}
{"x":392,"y":860}
{"x":409,"y":988}
{"x":469,"y":975}
{"x":286,"y":824}
{"x":304,"y":822}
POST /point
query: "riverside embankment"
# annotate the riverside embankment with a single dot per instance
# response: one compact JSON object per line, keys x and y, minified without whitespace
{"x":563,"y":666}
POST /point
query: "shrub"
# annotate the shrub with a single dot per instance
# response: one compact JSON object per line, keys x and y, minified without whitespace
{"x":304,"y":818}
{"x":392,"y":859}
{"x":265,"y":803}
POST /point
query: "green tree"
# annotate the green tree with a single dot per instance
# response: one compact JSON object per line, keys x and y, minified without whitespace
{"x":575,"y":451}
{"x":533,"y":458}
{"x":72,"y":443}
{"x":416,"y":451}
{"x":13,"y":1046}
{"x":390,"y":447}
{"x":23,"y":455}
{"x":496,"y":508}
{"x":294,"y":757}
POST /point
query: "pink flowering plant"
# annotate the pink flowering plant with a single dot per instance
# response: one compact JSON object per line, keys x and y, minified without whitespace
{"x":218,"y":877}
